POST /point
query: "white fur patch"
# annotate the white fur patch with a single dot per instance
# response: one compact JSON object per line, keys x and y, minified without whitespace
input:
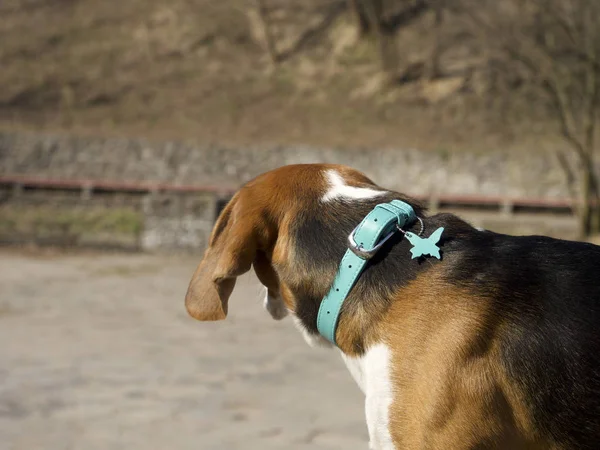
{"x":275,"y":306}
{"x":356,"y":368}
{"x":372,"y":373}
{"x":339,"y":189}
{"x":314,"y":340}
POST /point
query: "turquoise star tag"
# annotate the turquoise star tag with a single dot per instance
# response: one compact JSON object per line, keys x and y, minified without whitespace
{"x":422,"y":247}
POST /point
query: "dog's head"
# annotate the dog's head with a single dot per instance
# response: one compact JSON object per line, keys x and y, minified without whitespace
{"x":255,"y":230}
{"x":290,"y":225}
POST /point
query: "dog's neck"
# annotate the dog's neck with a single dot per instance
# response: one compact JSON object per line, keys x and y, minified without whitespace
{"x":319,"y":240}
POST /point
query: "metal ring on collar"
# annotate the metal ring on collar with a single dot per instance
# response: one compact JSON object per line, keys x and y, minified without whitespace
{"x":361,"y":252}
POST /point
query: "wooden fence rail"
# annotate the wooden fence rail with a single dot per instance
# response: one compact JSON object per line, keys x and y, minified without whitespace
{"x":506,"y":205}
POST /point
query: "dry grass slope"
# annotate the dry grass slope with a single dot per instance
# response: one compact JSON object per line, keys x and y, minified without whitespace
{"x":198,"y":69}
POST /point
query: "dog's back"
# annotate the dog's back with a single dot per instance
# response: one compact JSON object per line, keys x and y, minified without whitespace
{"x":551,"y":298}
{"x":546,"y":294}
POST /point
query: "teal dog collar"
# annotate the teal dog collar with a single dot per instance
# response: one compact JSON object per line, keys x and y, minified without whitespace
{"x":363,"y":243}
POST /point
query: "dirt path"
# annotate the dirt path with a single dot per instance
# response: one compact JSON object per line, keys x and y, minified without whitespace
{"x":97,"y":352}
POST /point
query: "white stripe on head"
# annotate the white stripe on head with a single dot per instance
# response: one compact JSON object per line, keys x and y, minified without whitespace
{"x":339,"y":189}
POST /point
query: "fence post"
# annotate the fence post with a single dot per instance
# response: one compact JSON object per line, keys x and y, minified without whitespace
{"x":434,"y":203}
{"x":507,"y":207}
{"x":17,"y":190}
{"x":87,"y":190}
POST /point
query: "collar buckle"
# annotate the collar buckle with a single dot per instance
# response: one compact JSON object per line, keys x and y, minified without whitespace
{"x":363,"y":253}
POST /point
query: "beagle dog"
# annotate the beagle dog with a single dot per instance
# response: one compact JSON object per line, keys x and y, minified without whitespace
{"x":495,"y":345}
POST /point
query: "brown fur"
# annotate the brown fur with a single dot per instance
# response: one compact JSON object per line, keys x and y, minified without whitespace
{"x":253,"y":228}
{"x":450,"y":390}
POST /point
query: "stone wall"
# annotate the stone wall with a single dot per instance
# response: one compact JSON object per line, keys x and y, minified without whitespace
{"x":183,"y":220}
{"x":178,"y":221}
{"x":411,"y":171}
{"x":124,"y":220}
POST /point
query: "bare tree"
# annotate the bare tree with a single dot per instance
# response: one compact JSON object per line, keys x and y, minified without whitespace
{"x":381,"y":19}
{"x":374,"y":13}
{"x":267,"y":31}
{"x":358,"y":16}
{"x":554,"y":47}
{"x":434,"y":69}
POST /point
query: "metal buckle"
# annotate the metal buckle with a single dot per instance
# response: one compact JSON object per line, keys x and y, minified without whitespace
{"x":362,"y":253}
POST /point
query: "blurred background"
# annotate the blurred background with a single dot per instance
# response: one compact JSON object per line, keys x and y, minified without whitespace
{"x":125,"y":127}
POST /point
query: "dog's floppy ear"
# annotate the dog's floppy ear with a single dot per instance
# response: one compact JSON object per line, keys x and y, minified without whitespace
{"x":231,"y":251}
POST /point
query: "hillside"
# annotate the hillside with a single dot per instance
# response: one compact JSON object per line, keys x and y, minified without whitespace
{"x":198,"y":69}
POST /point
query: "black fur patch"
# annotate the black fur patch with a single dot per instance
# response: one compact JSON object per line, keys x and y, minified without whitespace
{"x":547,"y":292}
{"x":550,"y":292}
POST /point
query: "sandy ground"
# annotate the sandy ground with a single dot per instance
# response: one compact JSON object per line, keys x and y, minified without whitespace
{"x":97,"y":352}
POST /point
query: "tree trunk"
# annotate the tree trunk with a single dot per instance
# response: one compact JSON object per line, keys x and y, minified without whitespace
{"x":263,"y":14}
{"x":358,"y":16}
{"x":436,"y":53}
{"x":595,"y":221}
{"x":589,"y":208}
{"x":385,"y":43}
{"x":585,"y":210}
{"x":595,"y":205}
